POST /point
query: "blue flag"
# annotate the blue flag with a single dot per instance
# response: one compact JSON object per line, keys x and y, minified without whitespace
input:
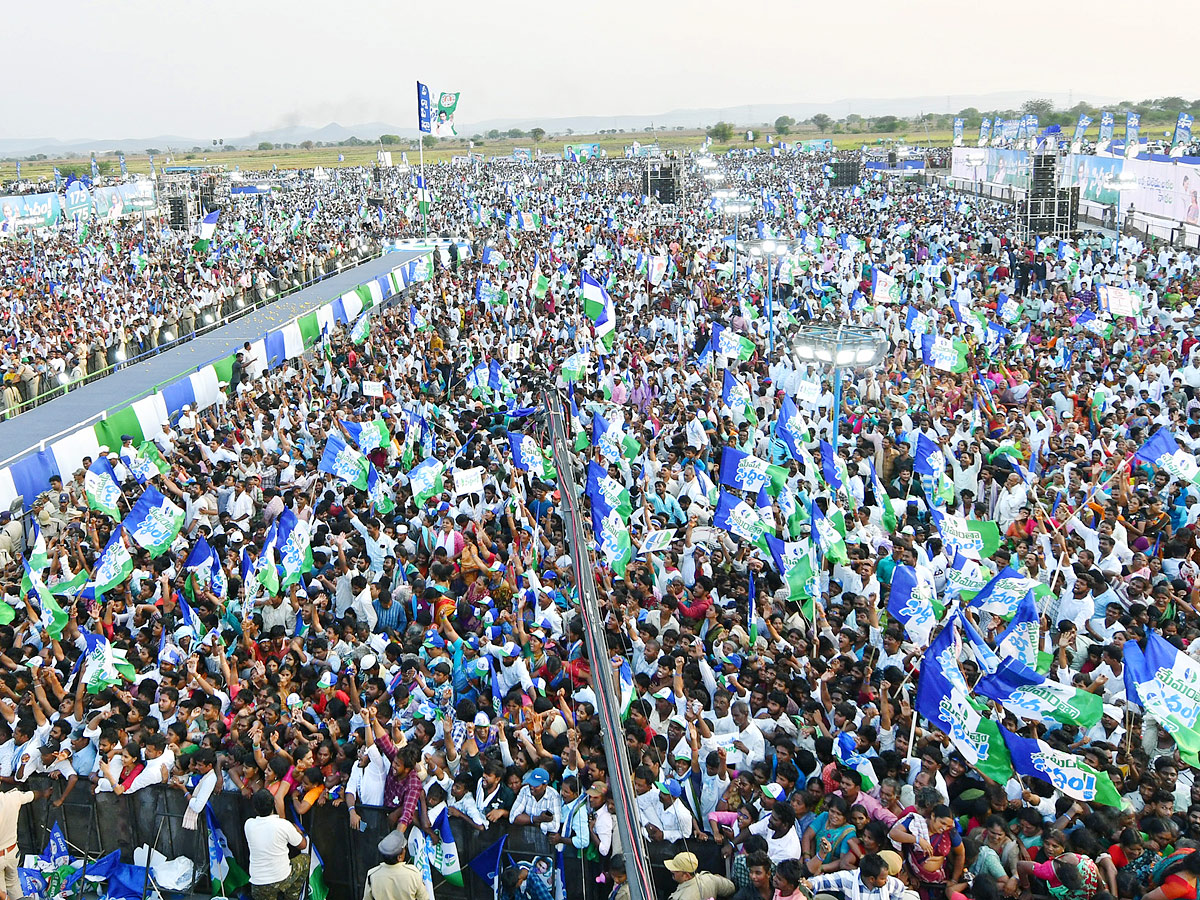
{"x":791,"y":428}
{"x":1021,"y":638}
{"x":33,"y":883}
{"x":1162,"y":680}
{"x":944,"y":698}
{"x":741,"y":519}
{"x":911,"y":602}
{"x":984,"y":655}
{"x":1003,"y":594}
{"x":930,"y":464}
{"x":55,"y":853}
{"x":487,"y":863}
{"x":831,"y":471}
{"x":1060,"y":768}
{"x":1162,"y":451}
{"x":190,"y":617}
{"x":1025,"y":693}
{"x":734,"y":394}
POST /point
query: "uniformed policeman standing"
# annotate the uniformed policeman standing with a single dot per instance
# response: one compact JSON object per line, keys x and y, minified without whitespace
{"x":393,"y":879}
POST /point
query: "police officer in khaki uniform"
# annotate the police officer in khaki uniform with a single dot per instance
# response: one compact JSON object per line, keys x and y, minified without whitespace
{"x":393,"y":879}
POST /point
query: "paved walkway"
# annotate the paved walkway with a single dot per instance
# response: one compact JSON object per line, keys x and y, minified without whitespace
{"x":66,"y":413}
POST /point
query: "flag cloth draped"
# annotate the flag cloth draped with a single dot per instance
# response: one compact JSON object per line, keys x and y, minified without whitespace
{"x":944,"y":698}
{"x":1061,"y":769}
{"x":1023,"y":692}
{"x":1163,"y":681}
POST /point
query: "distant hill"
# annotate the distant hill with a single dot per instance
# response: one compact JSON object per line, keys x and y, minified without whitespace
{"x":749,"y":114}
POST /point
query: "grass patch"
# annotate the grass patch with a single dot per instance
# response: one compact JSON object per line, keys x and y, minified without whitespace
{"x":614,"y":145}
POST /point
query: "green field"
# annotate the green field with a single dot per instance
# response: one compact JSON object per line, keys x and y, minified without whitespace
{"x":614,"y":144}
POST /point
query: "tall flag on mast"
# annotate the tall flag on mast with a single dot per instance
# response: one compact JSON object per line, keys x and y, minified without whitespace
{"x":424,"y":114}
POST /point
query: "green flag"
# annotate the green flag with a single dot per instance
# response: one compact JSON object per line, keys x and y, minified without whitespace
{"x":148,"y":463}
{"x":361,"y":330}
{"x":54,"y":617}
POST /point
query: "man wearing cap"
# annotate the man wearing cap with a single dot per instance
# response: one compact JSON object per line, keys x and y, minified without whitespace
{"x":669,"y":819}
{"x":538,"y":803}
{"x":393,"y":878}
{"x":511,"y":670}
{"x":693,"y":884}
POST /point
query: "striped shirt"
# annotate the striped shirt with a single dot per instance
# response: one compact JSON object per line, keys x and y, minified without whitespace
{"x":550,"y":802}
{"x":850,"y":884}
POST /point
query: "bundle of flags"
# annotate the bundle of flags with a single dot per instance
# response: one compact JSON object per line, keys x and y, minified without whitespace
{"x":288,"y":540}
{"x":944,"y":698}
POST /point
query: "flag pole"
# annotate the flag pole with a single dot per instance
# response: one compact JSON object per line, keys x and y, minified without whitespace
{"x":420,"y":194}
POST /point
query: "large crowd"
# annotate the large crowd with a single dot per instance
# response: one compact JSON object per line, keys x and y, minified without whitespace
{"x":372,"y":601}
{"x":80,"y":299}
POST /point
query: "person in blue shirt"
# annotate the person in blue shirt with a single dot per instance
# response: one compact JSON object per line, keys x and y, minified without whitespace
{"x":540,"y":505}
{"x":664,"y":504}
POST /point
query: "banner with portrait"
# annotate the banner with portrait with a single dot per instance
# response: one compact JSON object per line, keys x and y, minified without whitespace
{"x":1094,"y":176}
{"x":28,"y":211}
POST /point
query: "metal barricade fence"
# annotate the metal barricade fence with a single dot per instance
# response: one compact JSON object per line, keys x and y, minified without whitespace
{"x":98,"y":823}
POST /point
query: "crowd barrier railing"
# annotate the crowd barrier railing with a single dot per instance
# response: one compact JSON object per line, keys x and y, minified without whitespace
{"x":96,"y":823}
{"x":243,"y":303}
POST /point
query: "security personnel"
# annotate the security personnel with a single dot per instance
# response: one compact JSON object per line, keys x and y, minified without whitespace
{"x":393,"y":879}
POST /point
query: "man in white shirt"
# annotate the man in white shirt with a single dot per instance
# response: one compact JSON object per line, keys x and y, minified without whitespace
{"x":749,"y":744}
{"x":670,"y":819}
{"x":268,"y":837}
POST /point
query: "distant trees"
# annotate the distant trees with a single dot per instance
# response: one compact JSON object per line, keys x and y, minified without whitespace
{"x":265,"y":145}
{"x":722,"y":131}
{"x":783,"y":125}
{"x":388,"y":139}
{"x":537,"y":134}
{"x":493,"y":134}
{"x":516,"y":133}
{"x":822,"y":122}
{"x":1038,"y":106}
{"x":306,"y":145}
{"x":429,"y":141}
{"x":886,"y":124}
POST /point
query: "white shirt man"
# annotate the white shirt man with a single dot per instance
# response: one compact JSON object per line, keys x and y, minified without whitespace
{"x":268,"y":836}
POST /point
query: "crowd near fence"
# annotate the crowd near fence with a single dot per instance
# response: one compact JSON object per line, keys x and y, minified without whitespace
{"x":96,"y":823}
{"x":24,"y":478}
{"x":240,"y":303}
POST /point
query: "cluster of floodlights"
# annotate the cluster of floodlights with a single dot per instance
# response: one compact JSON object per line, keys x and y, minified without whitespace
{"x":840,"y":346}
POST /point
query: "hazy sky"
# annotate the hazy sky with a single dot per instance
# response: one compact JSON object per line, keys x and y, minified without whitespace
{"x":217,"y":68}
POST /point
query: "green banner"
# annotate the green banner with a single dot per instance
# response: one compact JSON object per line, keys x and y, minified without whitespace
{"x":28,"y":211}
{"x":1094,"y":176}
{"x":122,"y":200}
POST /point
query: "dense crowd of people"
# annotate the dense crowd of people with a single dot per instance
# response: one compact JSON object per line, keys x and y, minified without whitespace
{"x":79,"y":299}
{"x":808,"y":601}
